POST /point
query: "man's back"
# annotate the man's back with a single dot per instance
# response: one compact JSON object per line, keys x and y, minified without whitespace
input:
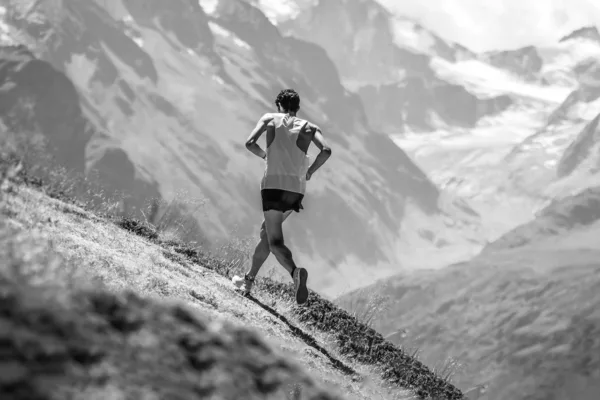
{"x":288,"y":139}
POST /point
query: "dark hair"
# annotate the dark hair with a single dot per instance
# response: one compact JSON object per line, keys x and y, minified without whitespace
{"x":288,"y":99}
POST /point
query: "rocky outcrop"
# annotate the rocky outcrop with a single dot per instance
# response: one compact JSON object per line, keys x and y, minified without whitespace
{"x":38,"y":99}
{"x":525,"y":62}
{"x":386,"y":60}
{"x":363,"y":47}
{"x":585,"y":147}
{"x":421,"y":104}
{"x":587,"y":32}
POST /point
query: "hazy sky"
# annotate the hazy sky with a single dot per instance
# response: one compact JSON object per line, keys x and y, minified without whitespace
{"x":491,"y":24}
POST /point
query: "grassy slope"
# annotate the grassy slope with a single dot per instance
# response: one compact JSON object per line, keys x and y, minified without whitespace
{"x":329,"y":343}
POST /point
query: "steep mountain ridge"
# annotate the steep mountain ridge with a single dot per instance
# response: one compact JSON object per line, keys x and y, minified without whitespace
{"x":39,"y":99}
{"x":586,"y":32}
{"x":163,"y":82}
{"x":386,"y":59}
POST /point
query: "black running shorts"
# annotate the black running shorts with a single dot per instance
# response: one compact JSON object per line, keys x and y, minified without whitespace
{"x":281,"y":200}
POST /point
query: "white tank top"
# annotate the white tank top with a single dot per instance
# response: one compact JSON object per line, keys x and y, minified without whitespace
{"x":286,"y":163}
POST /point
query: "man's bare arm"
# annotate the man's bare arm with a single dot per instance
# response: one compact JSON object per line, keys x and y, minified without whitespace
{"x":259,"y":129}
{"x":323,"y":156}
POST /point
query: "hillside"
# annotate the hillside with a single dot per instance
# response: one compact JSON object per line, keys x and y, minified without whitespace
{"x":522,"y":318}
{"x":147,"y":94}
{"x":97,"y":305}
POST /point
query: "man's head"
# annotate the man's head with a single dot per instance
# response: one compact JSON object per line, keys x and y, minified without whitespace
{"x":288,"y":101}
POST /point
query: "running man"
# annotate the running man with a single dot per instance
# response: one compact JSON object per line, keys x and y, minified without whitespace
{"x":283,"y":184}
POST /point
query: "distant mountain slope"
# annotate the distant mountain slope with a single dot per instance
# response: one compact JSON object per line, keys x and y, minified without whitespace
{"x":561,"y":217}
{"x":386,"y":59}
{"x":521,"y":318}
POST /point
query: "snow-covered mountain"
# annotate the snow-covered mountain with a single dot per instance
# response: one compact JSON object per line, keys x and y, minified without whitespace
{"x":387,"y":59}
{"x":506,"y":164}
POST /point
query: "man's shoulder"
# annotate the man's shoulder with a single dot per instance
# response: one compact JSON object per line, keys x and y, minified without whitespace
{"x":268,"y":117}
{"x":311,"y":126}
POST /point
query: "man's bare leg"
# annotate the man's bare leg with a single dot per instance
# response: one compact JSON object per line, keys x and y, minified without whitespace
{"x":274,"y":228}
{"x":262,"y":250}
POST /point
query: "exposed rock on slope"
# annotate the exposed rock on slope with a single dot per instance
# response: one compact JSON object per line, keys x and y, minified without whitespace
{"x":426,"y":104}
{"x":583,"y":152}
{"x":587,"y":32}
{"x":525,"y":62}
{"x":37,"y":98}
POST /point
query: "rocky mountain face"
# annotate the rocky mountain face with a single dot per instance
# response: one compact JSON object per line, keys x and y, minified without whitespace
{"x":525,"y":61}
{"x":584,"y":152}
{"x":586,"y":32}
{"x":39,"y":99}
{"x":167,"y":94}
{"x":386,"y":59}
{"x":557,"y":159}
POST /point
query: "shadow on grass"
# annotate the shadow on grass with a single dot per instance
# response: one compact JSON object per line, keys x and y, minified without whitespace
{"x":308,"y":339}
{"x":355,"y":339}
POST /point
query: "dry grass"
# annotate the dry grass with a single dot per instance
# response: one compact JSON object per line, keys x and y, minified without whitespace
{"x":108,"y":257}
{"x":66,"y":336}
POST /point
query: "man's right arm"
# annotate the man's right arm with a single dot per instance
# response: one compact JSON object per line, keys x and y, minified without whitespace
{"x":323,"y":155}
{"x":259,"y":129}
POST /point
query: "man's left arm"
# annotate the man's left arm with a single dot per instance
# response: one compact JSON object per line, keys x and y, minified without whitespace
{"x":323,"y":155}
{"x":259,"y":129}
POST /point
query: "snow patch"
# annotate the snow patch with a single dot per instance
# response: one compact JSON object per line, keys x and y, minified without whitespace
{"x":225,"y":33}
{"x":5,"y":36}
{"x":209,"y":6}
{"x":278,"y":11}
{"x":406,"y":35}
{"x":138,"y":41}
{"x":484,"y":79}
{"x":218,"y":80}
